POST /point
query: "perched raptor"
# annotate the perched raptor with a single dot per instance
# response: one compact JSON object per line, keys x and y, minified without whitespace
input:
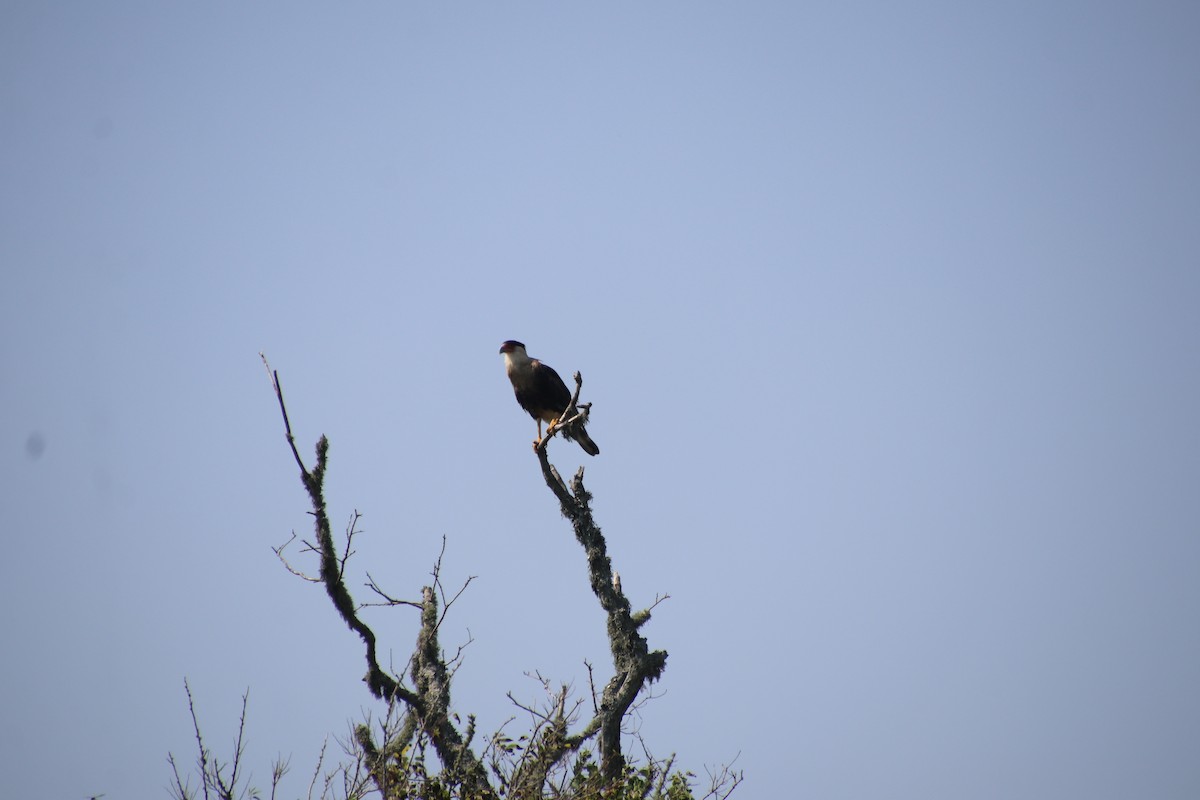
{"x":542,"y":393}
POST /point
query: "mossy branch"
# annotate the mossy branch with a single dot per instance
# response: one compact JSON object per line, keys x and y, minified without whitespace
{"x":429,"y":704}
{"x":634,"y":664}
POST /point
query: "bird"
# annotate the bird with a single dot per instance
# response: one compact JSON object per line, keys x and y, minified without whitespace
{"x":542,"y":393}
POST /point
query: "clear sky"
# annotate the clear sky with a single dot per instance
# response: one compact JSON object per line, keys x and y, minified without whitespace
{"x":888,"y":312}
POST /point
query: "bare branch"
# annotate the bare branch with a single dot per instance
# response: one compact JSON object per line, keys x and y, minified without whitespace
{"x":441,"y":590}
{"x":592,"y":686}
{"x":663,"y":774}
{"x":279,"y":768}
{"x":181,"y":790}
{"x":286,"y":565}
{"x":566,"y":418}
{"x":458,"y":594}
{"x":388,"y":600}
{"x":202,"y":758}
{"x":351,"y":529}
{"x":239,"y":747}
{"x":723,"y":781}
{"x":533,"y":712}
{"x":212,"y":771}
{"x":548,"y":742}
{"x":317,"y":770}
{"x":287,"y":423}
{"x":457,"y":660}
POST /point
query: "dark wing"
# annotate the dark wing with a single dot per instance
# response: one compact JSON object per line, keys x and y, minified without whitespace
{"x":545,"y":395}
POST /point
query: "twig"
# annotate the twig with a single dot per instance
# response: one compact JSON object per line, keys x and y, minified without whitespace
{"x":238,"y":748}
{"x":286,"y":565}
{"x":533,"y":712}
{"x":317,"y":771}
{"x":447,"y":603}
{"x":351,"y":529}
{"x":723,"y":783}
{"x":456,"y":661}
{"x":388,"y":599}
{"x":287,"y":423}
{"x":664,"y":774}
{"x":279,"y":768}
{"x":592,"y":686}
{"x":563,"y":421}
{"x":202,"y":759}
{"x":180,"y":790}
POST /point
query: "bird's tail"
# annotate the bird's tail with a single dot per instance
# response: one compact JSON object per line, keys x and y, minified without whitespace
{"x":579,"y":434}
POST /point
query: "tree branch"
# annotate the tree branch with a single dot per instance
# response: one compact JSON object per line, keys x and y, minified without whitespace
{"x":634,"y":664}
{"x":429,"y":704}
{"x":573,"y":413}
{"x":381,"y":684}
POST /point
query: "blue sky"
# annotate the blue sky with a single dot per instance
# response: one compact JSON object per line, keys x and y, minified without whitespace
{"x":887,"y":312}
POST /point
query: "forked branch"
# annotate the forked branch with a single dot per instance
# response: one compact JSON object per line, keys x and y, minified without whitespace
{"x":575,"y":412}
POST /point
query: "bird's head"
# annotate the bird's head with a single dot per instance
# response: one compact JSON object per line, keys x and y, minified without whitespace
{"x":515,"y":357}
{"x":513,"y":347}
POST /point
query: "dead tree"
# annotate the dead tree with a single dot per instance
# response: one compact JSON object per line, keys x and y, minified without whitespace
{"x":427,"y":702}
